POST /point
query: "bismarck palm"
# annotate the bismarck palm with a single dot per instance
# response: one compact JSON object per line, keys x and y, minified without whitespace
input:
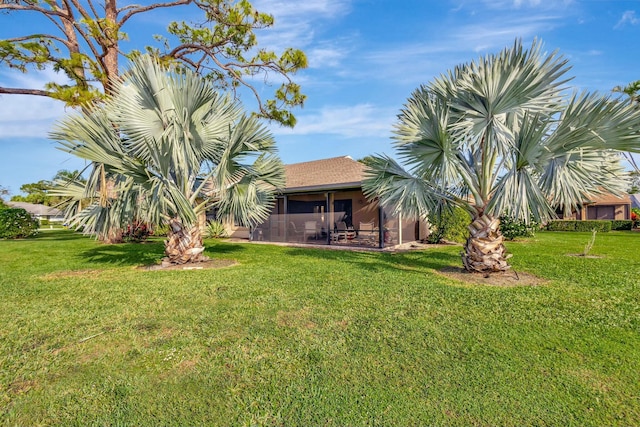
{"x":497,"y":136}
{"x":164,"y":149}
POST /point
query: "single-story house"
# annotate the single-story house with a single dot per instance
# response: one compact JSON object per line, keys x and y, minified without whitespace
{"x":323,"y":203}
{"x":604,"y":206}
{"x":40,"y":211}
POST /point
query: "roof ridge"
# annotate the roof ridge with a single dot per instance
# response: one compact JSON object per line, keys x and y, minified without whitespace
{"x":322,"y":160}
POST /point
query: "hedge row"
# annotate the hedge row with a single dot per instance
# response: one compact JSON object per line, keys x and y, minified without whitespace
{"x":621,"y":224}
{"x":573,"y":225}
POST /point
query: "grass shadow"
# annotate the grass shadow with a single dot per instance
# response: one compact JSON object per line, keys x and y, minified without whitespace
{"x":125,"y":254}
{"x":216,"y":247}
{"x":59,"y":234}
{"x":147,"y":253}
{"x":419,"y":260}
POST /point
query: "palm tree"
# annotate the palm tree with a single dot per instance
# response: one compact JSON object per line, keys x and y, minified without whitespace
{"x":632,"y":91}
{"x":497,"y":136}
{"x":164,"y":149}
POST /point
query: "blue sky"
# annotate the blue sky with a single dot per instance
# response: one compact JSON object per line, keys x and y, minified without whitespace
{"x":365,"y":59}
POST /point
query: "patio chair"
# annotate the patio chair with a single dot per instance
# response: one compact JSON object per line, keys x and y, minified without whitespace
{"x":343,"y":232}
{"x":367,"y":232}
{"x":293,"y":231}
{"x":310,"y":229}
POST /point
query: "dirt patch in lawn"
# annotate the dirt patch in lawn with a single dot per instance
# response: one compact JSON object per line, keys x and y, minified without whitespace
{"x":204,"y":265}
{"x":508,"y":278}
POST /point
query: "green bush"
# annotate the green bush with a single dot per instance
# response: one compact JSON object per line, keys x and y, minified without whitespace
{"x":17,"y":224}
{"x":215,"y":230}
{"x":43,"y":222}
{"x":635,"y":217}
{"x":450,"y":225}
{"x":161,"y":230}
{"x":136,"y":232}
{"x":512,"y":228}
{"x":574,"y":225}
{"x":621,"y":224}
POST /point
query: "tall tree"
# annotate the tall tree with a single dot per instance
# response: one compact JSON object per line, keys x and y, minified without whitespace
{"x":496,"y":135}
{"x":632,"y":90}
{"x":36,"y":192}
{"x":167,"y":147}
{"x":40,"y":192}
{"x":3,"y":192}
{"x":82,"y":39}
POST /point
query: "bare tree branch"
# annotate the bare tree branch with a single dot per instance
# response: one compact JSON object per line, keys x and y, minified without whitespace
{"x":20,"y":91}
{"x":135,"y":9}
{"x":39,"y":36}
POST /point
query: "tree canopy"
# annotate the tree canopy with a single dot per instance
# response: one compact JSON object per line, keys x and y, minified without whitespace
{"x":40,"y":192}
{"x":498,"y":135}
{"x":82,"y":39}
{"x":632,"y":91}
{"x":3,"y":192}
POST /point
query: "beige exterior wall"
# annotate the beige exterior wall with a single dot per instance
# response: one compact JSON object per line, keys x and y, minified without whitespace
{"x":601,"y":211}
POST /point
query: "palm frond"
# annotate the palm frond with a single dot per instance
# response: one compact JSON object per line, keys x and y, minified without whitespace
{"x":162,"y":136}
{"x":574,"y":177}
{"x":400,"y":191}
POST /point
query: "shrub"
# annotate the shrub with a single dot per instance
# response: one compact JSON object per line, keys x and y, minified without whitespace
{"x":17,"y":224}
{"x":44,"y":221}
{"x":449,"y":225}
{"x":598,"y":225}
{"x":136,"y":232}
{"x":635,"y":217}
{"x":621,"y":224}
{"x":512,"y":228}
{"x":161,"y":230}
{"x":215,"y":230}
{"x":574,"y":225}
{"x":561,"y":225}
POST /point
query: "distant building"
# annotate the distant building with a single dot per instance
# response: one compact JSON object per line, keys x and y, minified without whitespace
{"x":604,"y":206}
{"x":40,"y":211}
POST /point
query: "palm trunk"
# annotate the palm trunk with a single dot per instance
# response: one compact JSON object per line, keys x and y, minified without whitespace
{"x":114,"y":235}
{"x":184,"y":243}
{"x":484,"y":250}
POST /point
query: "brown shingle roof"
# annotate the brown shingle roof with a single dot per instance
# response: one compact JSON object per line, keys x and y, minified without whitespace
{"x":325,"y":174}
{"x":610,"y":199}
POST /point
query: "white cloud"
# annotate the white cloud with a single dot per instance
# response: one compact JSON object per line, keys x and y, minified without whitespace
{"x":303,"y":9}
{"x":628,"y":17}
{"x":327,"y":56}
{"x":350,"y":122}
{"x":422,"y":60}
{"x":519,"y":3}
{"x":297,"y":23}
{"x":527,"y":4}
{"x":29,"y":116}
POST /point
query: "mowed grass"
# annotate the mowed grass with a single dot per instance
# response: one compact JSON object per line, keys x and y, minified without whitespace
{"x":295,"y":336}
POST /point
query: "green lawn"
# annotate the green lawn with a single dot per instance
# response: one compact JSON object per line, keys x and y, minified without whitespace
{"x":315,"y":337}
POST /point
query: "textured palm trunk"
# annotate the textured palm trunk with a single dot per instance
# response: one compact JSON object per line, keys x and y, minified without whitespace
{"x":484,"y":250}
{"x":184,"y":243}
{"x":112,"y":236}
